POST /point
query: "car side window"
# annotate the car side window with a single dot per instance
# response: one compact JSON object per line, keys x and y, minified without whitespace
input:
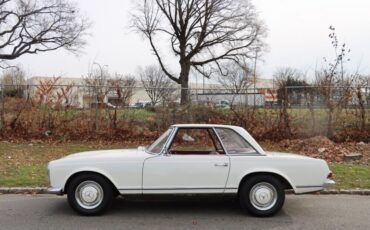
{"x":233,"y":142}
{"x":197,"y":141}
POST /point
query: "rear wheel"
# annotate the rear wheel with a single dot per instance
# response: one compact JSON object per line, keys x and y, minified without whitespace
{"x":89,"y":194}
{"x":262,"y":195}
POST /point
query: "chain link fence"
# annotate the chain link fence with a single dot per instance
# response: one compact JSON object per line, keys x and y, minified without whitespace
{"x":76,"y":109}
{"x":87,"y":97}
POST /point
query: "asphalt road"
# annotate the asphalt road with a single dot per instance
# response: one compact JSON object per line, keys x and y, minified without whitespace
{"x":299,"y":212}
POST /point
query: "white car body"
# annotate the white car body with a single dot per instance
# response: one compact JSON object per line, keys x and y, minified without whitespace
{"x":135,"y":171}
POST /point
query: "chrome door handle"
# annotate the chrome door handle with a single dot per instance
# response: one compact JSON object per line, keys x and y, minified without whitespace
{"x":222,"y":165}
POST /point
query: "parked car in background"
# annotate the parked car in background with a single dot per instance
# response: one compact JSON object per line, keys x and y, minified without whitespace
{"x":188,"y":159}
{"x":141,"y":105}
{"x":223,"y":104}
{"x":103,"y":105}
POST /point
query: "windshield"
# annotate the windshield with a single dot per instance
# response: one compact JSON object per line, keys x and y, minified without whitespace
{"x":157,"y":145}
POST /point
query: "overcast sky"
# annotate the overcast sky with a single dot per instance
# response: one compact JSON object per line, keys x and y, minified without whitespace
{"x":297,"y":37}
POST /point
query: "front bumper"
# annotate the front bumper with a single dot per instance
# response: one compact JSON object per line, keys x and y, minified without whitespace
{"x":56,"y":191}
{"x":328,"y":183}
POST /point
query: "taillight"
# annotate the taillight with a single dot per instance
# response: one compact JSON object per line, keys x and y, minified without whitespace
{"x":330,"y":175}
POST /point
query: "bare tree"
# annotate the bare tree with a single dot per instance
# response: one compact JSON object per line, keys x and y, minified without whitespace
{"x":67,"y":96}
{"x":33,"y":26}
{"x":310,"y":96}
{"x":202,"y":34}
{"x":333,"y":80}
{"x":13,"y":80}
{"x":236,"y":80}
{"x":286,"y":78}
{"x":123,"y":87}
{"x":360,"y":84}
{"x":46,"y":91}
{"x":157,"y":85}
{"x":97,"y":82}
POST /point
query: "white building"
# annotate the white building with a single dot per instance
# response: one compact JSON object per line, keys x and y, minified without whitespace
{"x":78,"y":94}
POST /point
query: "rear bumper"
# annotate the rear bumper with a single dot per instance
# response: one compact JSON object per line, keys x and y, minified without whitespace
{"x":328,"y":183}
{"x":56,"y":191}
{"x":314,"y":188}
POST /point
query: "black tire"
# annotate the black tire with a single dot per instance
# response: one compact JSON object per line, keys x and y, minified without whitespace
{"x":265,"y":185}
{"x":102,"y":202}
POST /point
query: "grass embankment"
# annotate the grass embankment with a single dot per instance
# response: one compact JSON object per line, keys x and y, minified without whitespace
{"x":351,"y":176}
{"x":25,"y":164}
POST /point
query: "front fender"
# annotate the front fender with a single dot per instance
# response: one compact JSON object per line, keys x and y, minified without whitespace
{"x":59,"y":177}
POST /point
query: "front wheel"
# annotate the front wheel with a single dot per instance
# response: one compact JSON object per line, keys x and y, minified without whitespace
{"x":89,"y":194}
{"x":262,"y":195}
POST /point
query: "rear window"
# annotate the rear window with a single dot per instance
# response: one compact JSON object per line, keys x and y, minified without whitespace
{"x":233,"y":142}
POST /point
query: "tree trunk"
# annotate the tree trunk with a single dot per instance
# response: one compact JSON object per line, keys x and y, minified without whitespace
{"x":311,"y":100}
{"x":286,"y":118}
{"x":362,"y":108}
{"x":313,"y":120}
{"x":2,"y":115}
{"x":184,"y":82}
{"x":330,"y":122}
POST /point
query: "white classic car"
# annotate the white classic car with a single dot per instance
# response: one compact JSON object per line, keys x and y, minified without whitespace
{"x":188,"y":159}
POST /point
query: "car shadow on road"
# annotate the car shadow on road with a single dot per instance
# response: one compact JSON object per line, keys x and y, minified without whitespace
{"x":200,"y":207}
{"x":176,"y":205}
{"x":207,"y":211}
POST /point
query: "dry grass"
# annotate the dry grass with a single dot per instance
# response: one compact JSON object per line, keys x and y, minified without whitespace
{"x":24,"y":164}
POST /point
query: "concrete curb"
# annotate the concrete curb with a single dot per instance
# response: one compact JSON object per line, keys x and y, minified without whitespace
{"x":362,"y":192}
{"x":43,"y":190}
{"x":23,"y":190}
{"x":365,"y":192}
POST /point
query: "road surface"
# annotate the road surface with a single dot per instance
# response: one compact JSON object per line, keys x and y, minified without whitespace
{"x":299,"y":212}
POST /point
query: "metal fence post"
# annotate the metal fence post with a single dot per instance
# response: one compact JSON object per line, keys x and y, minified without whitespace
{"x":96,"y":107}
{"x":367,"y":96}
{"x":286,"y":96}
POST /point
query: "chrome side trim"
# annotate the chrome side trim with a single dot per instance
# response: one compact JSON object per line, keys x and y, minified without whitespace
{"x":130,"y":191}
{"x":56,"y":191}
{"x":219,"y":140}
{"x":177,"y":190}
{"x":168,"y":142}
{"x":309,"y":186}
{"x":185,"y":188}
{"x":231,"y":190}
{"x":173,"y":188}
{"x":247,"y":154}
{"x":328,"y":183}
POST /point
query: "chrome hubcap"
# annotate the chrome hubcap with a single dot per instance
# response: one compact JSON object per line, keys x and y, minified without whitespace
{"x":263,"y":196}
{"x":89,"y":194}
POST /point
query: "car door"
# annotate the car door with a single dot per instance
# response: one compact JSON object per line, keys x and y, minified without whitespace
{"x":195,"y":162}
